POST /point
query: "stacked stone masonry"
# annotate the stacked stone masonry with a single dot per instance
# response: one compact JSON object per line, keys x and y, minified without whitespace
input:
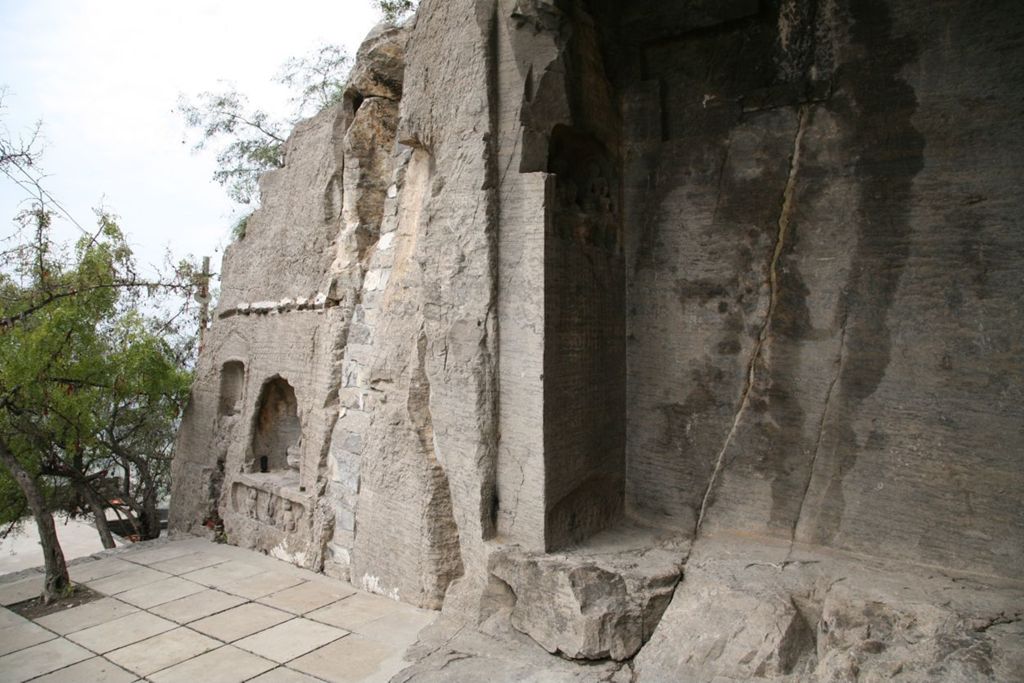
{"x":678,"y":335}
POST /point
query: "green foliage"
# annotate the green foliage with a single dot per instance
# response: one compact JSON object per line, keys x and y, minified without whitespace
{"x":393,"y":10}
{"x":89,"y":387}
{"x":318,"y":79}
{"x":238,"y":231}
{"x":250,"y":142}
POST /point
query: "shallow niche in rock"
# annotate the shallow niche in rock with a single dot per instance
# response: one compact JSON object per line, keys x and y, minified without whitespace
{"x":278,"y":430}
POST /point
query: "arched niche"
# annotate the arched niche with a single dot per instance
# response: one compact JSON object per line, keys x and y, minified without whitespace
{"x":278,"y":430}
{"x":232,"y":380}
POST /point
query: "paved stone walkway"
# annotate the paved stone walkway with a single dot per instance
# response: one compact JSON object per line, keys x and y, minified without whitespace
{"x":195,"y":611}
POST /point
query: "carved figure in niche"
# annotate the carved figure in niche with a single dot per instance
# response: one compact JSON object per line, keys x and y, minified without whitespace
{"x":287,"y":519}
{"x":271,"y":509}
{"x":251,"y":504}
{"x":585,"y":189}
{"x":293,"y":453}
{"x":278,"y":431}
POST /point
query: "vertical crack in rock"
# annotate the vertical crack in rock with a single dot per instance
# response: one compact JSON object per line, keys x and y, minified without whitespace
{"x":442,"y":530}
{"x":821,"y":433}
{"x":785,"y":216}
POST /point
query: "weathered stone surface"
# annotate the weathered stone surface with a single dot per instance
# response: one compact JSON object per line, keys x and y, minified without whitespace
{"x":589,"y":605}
{"x":676,"y":269}
{"x":763,"y":612}
{"x":380,"y":65}
{"x":448,"y":651}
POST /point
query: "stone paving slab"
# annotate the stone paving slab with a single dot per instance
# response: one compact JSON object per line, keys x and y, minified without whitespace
{"x":21,"y":590}
{"x":184,"y":564}
{"x":9,"y":618}
{"x":285,"y":642}
{"x":226,"y":573}
{"x":284,"y":675}
{"x":86,"y":616}
{"x":352,"y":659}
{"x":244,"y":615}
{"x":98,"y":569}
{"x":95,"y":670}
{"x":397,"y":628}
{"x":227,"y":664}
{"x":120,"y":632}
{"x":20,"y":636}
{"x":163,"y":651}
{"x":262,"y":585}
{"x":126,"y":580}
{"x":240,"y":622}
{"x":356,"y":611}
{"x":159,"y":592}
{"x":307,"y":597}
{"x":198,"y":605}
{"x":40,"y":659}
{"x":161,"y":553}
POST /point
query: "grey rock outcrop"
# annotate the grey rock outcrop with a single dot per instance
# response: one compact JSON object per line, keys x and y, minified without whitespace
{"x":593,"y":605}
{"x":678,"y":338}
{"x":753,"y":611}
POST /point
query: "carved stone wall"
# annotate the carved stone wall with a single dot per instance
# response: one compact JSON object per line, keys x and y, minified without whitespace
{"x":613,"y":325}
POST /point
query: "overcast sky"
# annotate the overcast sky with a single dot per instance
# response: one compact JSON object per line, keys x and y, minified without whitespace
{"x":104,"y":77}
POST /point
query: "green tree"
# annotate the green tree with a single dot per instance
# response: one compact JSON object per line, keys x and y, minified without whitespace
{"x":317,"y":79}
{"x":393,"y":10}
{"x":88,"y":386}
{"x":89,"y":389}
{"x":249,"y":141}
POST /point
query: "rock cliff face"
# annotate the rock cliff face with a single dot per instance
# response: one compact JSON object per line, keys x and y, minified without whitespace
{"x":678,"y":337}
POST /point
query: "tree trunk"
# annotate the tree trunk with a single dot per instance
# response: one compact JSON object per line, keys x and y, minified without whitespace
{"x":57,"y":581}
{"x":150,"y":516}
{"x":99,"y":513}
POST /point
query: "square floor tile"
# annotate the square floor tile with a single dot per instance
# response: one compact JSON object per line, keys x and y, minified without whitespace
{"x":13,"y":592}
{"x":159,"y":592}
{"x":159,"y":553}
{"x":95,"y":670}
{"x":240,"y":622}
{"x":187,"y":563}
{"x":307,"y":596}
{"x":9,"y":618}
{"x":162,"y":651}
{"x":86,"y":616}
{"x":262,"y":584}
{"x":225,"y":573}
{"x":356,"y":611}
{"x":41,"y":659}
{"x":98,"y":569}
{"x":289,"y":640}
{"x":350,"y":659}
{"x":198,"y":605}
{"x":226,"y":664}
{"x":120,"y":632}
{"x":401,"y":628}
{"x":20,"y":636}
{"x":126,"y":580}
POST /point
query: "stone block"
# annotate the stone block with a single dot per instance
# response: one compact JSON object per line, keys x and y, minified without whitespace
{"x":585,"y":606}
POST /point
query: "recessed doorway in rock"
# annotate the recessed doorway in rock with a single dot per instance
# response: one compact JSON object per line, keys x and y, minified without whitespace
{"x":232,"y":380}
{"x":278,"y":431}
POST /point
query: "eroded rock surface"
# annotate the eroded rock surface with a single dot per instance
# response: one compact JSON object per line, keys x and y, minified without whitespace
{"x":751,"y":611}
{"x":563,"y":270}
{"x":590,"y":604}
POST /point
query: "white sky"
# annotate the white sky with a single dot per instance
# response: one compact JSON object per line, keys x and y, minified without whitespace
{"x":104,"y":77}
